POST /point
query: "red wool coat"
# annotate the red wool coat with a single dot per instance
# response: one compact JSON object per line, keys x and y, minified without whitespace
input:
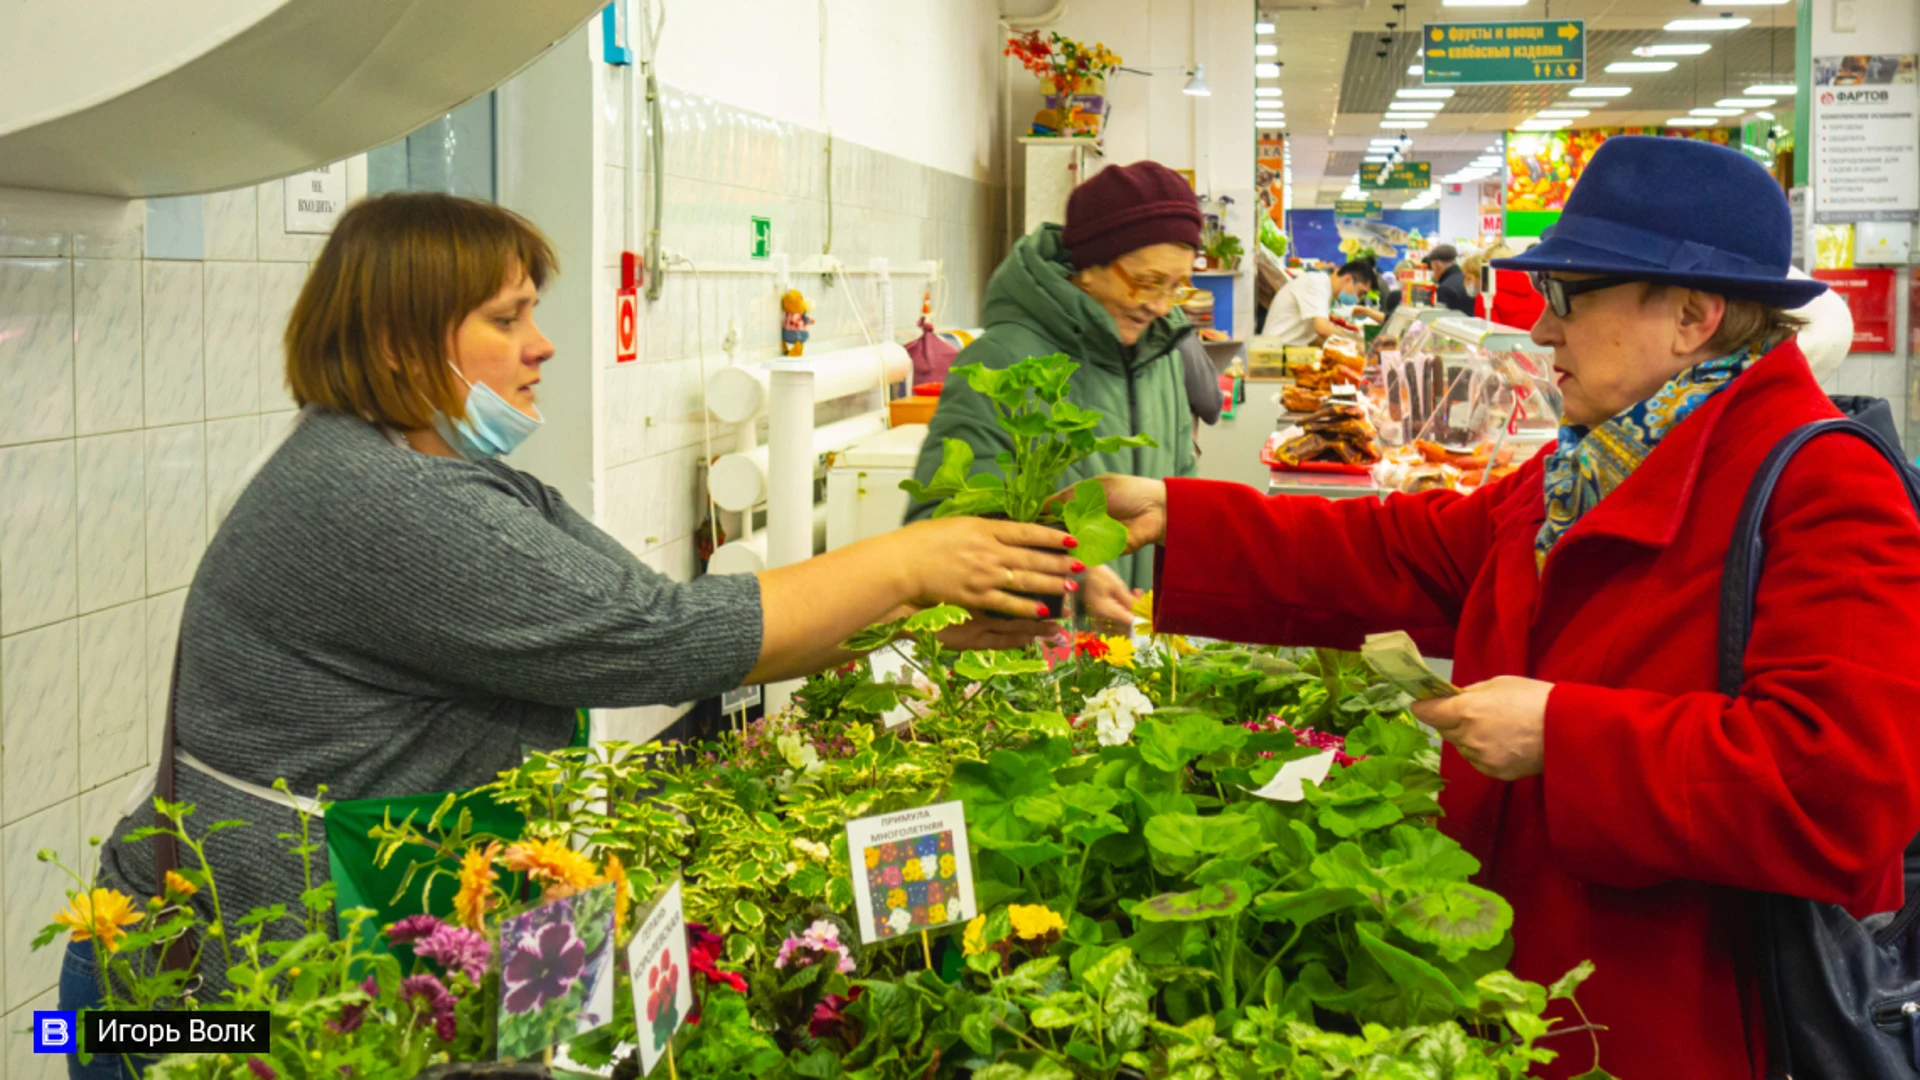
{"x":1660,"y":796}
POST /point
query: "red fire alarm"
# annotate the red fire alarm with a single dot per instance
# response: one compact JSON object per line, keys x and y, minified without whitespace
{"x":626,"y":310}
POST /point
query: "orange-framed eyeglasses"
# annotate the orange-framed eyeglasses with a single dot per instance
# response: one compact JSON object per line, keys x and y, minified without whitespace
{"x":1179,"y":292}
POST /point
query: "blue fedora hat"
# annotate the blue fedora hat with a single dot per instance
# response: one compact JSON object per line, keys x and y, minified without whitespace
{"x":1679,"y":212}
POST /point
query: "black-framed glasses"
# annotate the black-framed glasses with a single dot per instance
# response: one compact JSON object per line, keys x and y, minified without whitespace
{"x":1560,"y":293}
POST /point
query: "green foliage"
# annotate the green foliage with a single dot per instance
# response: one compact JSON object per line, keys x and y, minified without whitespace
{"x":1049,"y":435}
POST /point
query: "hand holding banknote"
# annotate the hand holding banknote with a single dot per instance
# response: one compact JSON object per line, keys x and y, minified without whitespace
{"x":1498,"y":726}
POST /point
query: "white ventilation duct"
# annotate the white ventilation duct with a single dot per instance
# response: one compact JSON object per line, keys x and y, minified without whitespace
{"x":175,"y":97}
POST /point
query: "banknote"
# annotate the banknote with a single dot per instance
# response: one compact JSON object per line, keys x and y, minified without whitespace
{"x":1398,"y":660}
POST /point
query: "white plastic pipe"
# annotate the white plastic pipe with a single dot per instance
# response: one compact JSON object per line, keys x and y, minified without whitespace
{"x":790,"y":460}
{"x":749,"y":555}
{"x":739,"y":480}
{"x":739,"y":394}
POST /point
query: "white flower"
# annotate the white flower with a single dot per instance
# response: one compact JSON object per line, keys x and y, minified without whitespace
{"x":930,"y":867}
{"x":1115,"y":710}
{"x":798,"y":752}
{"x":900,"y":920}
{"x":812,"y":849}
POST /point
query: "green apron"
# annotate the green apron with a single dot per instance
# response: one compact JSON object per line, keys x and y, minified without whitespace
{"x":351,"y":850}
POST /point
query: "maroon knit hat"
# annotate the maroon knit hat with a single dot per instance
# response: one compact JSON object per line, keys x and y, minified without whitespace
{"x":1128,"y":207}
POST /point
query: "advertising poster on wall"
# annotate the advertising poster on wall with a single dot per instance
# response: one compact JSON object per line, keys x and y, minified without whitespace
{"x":1866,"y":146}
{"x":1542,"y":168}
{"x":1270,"y":173}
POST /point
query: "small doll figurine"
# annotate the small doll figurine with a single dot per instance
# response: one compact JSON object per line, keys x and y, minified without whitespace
{"x":793,"y":329}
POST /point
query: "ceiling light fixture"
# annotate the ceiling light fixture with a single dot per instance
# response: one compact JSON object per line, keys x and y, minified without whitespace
{"x":1376,"y":159}
{"x":1263,"y":28}
{"x":1773,"y":89}
{"x":1266,"y":49}
{"x":1710,"y":111}
{"x":1270,"y":125}
{"x":1417,"y":70}
{"x":1560,"y":114}
{"x":1266,"y":91}
{"x":1266,"y":71}
{"x":1416,"y":92}
{"x":1640,"y":67}
{"x":1744,"y":102}
{"x":1197,"y":82}
{"x":1391,"y":122}
{"x":1725,"y":22}
{"x":1690,"y":121}
{"x":1764,"y":115}
{"x":1689,"y":49}
{"x":1600,"y":91}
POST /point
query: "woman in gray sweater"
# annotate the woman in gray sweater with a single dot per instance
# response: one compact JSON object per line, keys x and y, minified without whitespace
{"x":389,"y":610}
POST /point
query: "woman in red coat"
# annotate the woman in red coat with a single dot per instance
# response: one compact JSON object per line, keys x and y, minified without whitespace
{"x":1610,"y":792}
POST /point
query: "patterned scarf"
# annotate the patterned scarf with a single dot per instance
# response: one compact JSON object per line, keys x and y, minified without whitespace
{"x":1591,"y":462}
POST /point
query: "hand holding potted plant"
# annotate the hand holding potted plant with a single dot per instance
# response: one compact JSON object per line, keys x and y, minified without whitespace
{"x":1050,"y":435}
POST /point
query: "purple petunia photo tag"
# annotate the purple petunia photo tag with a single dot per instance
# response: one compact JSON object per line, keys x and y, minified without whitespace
{"x":556,"y":972}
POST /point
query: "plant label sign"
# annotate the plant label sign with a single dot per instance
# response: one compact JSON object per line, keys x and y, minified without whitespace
{"x":911,"y":871}
{"x":662,"y":988}
{"x":556,"y":972}
{"x":1289,"y":784}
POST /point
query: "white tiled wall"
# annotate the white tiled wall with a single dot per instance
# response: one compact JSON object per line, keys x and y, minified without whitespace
{"x":724,"y":166}
{"x":138,"y":388}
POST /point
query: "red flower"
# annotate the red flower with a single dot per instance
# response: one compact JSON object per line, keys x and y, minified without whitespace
{"x":830,"y":1019}
{"x":1090,"y":646}
{"x":703,"y":955}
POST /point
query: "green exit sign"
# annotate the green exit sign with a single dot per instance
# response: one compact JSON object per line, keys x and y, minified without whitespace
{"x":1406,"y":176}
{"x":762,"y":237}
{"x":1473,"y":54}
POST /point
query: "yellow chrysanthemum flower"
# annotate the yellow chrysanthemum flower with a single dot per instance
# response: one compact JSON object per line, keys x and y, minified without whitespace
{"x":561,"y":869}
{"x":1143,"y":605}
{"x":873,"y":858}
{"x":946,"y":866}
{"x":897,"y":898}
{"x":911,"y":871}
{"x":622,"y":891}
{"x":937,"y":914}
{"x":477,"y":876}
{"x":1033,"y":921}
{"x":178,"y":885}
{"x":99,"y":916}
{"x":973,"y":941}
{"x":1119,"y":652}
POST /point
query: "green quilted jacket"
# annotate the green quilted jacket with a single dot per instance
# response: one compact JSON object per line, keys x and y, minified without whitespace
{"x":1033,"y":309}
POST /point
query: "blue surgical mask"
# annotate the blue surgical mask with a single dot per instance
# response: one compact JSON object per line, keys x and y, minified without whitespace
{"x":492,"y":427}
{"x":1349,"y":298}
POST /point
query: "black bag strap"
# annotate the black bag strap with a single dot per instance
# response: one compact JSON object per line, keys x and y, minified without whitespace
{"x":1745,"y":554}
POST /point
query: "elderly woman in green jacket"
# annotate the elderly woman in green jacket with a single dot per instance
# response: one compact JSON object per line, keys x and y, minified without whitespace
{"x":1105,"y":291}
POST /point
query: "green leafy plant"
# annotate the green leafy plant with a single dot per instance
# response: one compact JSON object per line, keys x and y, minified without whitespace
{"x":1050,"y":435}
{"x":1225,"y":248}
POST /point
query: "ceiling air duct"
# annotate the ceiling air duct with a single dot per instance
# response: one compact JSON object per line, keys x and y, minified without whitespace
{"x":175,"y":97}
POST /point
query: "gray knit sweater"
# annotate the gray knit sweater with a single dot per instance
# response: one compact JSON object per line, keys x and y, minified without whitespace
{"x":390,"y":623}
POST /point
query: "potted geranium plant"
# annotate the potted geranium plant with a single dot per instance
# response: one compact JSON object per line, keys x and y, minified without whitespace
{"x":1049,"y":435}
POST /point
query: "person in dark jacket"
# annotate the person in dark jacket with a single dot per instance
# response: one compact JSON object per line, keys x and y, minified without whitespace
{"x":1105,"y":290}
{"x":1449,"y":281}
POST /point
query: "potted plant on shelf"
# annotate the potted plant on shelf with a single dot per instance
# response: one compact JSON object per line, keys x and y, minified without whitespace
{"x":1073,"y":77}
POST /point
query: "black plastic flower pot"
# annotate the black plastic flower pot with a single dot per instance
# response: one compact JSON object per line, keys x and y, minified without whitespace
{"x":1054,"y":604}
